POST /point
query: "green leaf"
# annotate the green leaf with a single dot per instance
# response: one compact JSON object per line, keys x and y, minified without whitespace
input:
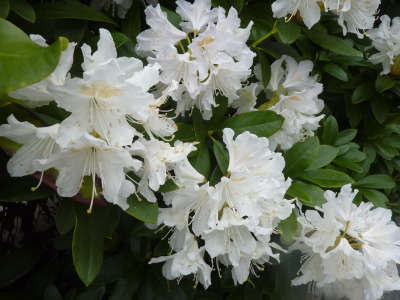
{"x":300,"y":156}
{"x":216,"y":176}
{"x":325,"y":155}
{"x":327,"y":178}
{"x":23,"y":9}
{"x":4,"y":8}
{"x":88,"y":241}
{"x":172,"y":16}
{"x":383,"y":83}
{"x":200,"y":125}
{"x":336,"y":71}
{"x":222,"y":156}
{"x":131,"y":24}
{"x":65,"y":216}
{"x":202,"y":162}
{"x":92,"y":293}
{"x":51,"y":293}
{"x":16,"y":264}
{"x":260,"y":123}
{"x":377,"y":181}
{"x":288,"y":228}
{"x":308,"y":194}
{"x":142,"y":210}
{"x":330,"y":131}
{"x":319,"y":35}
{"x":375,"y":197}
{"x":70,"y":9}
{"x":185,"y":133}
{"x":363,"y":92}
{"x":345,"y":136}
{"x":168,"y":186}
{"x":380,"y":109}
{"x":19,"y":189}
{"x":22,"y":62}
{"x":238,"y":5}
{"x":343,"y":161}
{"x":288,"y":32}
{"x":265,"y":68}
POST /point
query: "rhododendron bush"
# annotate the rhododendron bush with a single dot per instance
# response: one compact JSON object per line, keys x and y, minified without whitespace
{"x":199,"y":149}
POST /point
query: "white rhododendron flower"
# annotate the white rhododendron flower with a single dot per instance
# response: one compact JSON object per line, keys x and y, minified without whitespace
{"x":236,"y":217}
{"x":386,"y":40}
{"x":293,"y":94}
{"x":215,"y":60}
{"x":351,"y":251}
{"x":37,"y":94}
{"x":355,"y":16}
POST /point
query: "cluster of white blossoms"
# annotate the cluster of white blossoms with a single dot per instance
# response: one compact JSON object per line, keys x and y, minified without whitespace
{"x":293,"y":94}
{"x":385,"y":39}
{"x":349,"y":251}
{"x":208,"y":56}
{"x":232,"y":221}
{"x":98,"y":138}
{"x":354,"y":15}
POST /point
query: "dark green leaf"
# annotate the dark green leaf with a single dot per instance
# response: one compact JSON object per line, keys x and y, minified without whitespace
{"x":23,"y":9}
{"x":22,"y":62}
{"x":112,"y":221}
{"x":126,"y":287}
{"x":70,"y":9}
{"x":131,"y":24}
{"x":19,"y":189}
{"x":216,"y":175}
{"x":375,"y":197}
{"x":260,"y":123}
{"x":139,"y":247}
{"x":363,"y":92}
{"x":16,"y":264}
{"x":319,"y":35}
{"x":343,"y":161}
{"x":238,"y":5}
{"x":222,"y":156}
{"x":288,"y":32}
{"x":330,"y":131}
{"x":172,"y":16}
{"x":92,"y":293}
{"x":65,"y":216}
{"x":200,"y":125}
{"x":383,"y":83}
{"x":51,"y":293}
{"x":142,"y":209}
{"x":380,"y":109}
{"x":201,"y":162}
{"x":219,"y":110}
{"x":327,"y":178}
{"x":185,"y":133}
{"x":300,"y":156}
{"x":308,"y":194}
{"x":288,"y":228}
{"x":4,"y":8}
{"x":88,"y":241}
{"x":345,"y":136}
{"x":336,"y":71}
{"x":377,"y":181}
{"x":168,"y":186}
{"x":265,"y":68}
{"x":326,"y":154}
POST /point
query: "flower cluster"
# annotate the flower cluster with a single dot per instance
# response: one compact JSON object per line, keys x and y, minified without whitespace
{"x":208,"y":56}
{"x":293,"y":94}
{"x":98,"y":138}
{"x":386,"y":40}
{"x":354,"y":15}
{"x":350,"y":251}
{"x":233,"y":220}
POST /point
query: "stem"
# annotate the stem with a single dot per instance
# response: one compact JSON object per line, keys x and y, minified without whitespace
{"x":260,"y":40}
{"x":181,"y":46}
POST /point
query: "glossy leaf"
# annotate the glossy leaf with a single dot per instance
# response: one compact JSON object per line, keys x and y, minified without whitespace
{"x":377,"y":181}
{"x":70,"y":9}
{"x":345,"y":136}
{"x":330,"y":131}
{"x":336,"y":71}
{"x":308,"y":194}
{"x":142,"y":209}
{"x":201,"y":162}
{"x":375,"y":197}
{"x":288,"y":228}
{"x":265,"y":68}
{"x":300,"y":156}
{"x":88,"y":241}
{"x":383,"y":83}
{"x":288,"y":32}
{"x":23,"y":9}
{"x":327,"y":178}
{"x":65,"y":216}
{"x":325,"y":156}
{"x":222,"y":156}
{"x":22,"y":62}
{"x":319,"y":35}
{"x":363,"y":92}
{"x":260,"y":123}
